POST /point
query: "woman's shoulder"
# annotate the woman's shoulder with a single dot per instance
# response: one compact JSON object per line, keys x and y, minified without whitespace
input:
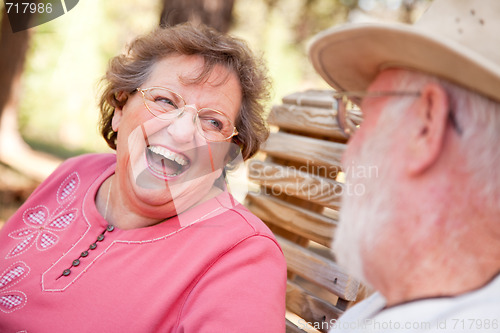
{"x":94,"y":163}
{"x":240,"y":224}
{"x":251,"y":220}
{"x":84,"y":161}
{"x":75,"y":169}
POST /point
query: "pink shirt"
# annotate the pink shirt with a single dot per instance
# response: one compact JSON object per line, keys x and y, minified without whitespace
{"x":216,"y":268}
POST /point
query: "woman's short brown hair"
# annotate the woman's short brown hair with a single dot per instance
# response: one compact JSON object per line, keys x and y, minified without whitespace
{"x":129,"y":71}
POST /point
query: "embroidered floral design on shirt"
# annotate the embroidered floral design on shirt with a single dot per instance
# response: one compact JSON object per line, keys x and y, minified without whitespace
{"x":41,"y":225}
{"x":12,"y":300}
{"x":68,"y":188}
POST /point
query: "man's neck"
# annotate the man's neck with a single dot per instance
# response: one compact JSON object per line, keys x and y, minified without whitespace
{"x":443,"y":275}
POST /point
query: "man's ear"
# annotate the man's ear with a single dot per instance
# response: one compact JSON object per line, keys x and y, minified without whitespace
{"x":117,"y":116}
{"x":427,"y":136}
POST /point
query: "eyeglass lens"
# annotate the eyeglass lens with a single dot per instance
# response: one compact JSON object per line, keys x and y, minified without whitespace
{"x":168,"y":105}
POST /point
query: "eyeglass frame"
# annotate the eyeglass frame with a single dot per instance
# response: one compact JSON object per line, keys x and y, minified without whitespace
{"x":182,"y":109}
{"x":355,"y":97}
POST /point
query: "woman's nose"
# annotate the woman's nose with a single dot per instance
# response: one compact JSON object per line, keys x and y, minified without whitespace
{"x":183,"y":128}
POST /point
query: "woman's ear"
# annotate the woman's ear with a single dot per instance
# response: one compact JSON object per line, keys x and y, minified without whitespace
{"x":120,"y":99}
{"x":427,"y":135}
{"x":117,"y":116}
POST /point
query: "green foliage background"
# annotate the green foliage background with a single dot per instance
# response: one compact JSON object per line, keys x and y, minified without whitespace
{"x":67,"y":57}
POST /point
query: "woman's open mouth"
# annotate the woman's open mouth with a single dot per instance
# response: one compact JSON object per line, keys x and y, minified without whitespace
{"x":164,"y":163}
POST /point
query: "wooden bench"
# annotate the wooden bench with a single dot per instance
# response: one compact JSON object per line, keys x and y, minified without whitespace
{"x":298,"y":197}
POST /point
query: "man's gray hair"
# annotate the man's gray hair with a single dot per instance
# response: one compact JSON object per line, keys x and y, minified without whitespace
{"x":478,"y":119}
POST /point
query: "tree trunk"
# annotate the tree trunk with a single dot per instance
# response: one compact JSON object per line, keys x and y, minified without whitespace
{"x":214,"y":13}
{"x":13,"y":48}
{"x":13,"y":150}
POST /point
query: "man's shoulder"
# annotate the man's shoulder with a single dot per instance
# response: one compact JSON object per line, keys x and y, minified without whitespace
{"x":465,"y":312}
{"x":357,"y":315}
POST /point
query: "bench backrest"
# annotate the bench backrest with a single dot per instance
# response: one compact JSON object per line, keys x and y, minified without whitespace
{"x":299,"y":198}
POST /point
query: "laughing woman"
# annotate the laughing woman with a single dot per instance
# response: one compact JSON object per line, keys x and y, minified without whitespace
{"x":148,"y":239}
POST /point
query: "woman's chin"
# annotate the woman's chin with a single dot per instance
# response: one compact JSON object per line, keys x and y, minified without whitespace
{"x":149,"y":181}
{"x":156,"y":191}
{"x":179,"y":191}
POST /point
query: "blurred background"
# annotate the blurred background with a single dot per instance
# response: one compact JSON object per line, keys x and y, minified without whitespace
{"x":49,"y":74}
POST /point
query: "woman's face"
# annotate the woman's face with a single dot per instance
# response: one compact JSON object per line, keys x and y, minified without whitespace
{"x":166,"y":166}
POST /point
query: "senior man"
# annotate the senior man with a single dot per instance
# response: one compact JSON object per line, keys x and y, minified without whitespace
{"x":425,"y":234}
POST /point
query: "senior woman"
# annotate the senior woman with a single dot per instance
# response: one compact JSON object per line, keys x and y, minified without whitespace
{"x":148,"y":239}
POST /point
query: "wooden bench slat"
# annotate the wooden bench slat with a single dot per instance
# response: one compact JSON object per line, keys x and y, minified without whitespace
{"x":318,"y":98}
{"x":304,"y":150}
{"x":293,"y":182}
{"x":306,"y":119}
{"x":318,"y":269}
{"x":311,"y":308}
{"x":303,"y":222}
{"x":291,"y":328}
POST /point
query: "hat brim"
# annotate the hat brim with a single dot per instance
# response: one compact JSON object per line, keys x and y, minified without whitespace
{"x":349,"y":58}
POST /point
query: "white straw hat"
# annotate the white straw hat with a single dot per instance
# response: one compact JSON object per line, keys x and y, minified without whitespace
{"x":458,"y":40}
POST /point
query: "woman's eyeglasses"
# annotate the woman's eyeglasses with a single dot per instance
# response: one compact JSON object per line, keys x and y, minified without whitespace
{"x":165,"y":104}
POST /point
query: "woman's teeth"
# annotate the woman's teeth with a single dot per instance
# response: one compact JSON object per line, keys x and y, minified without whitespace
{"x":165,"y":162}
{"x":170,"y":155}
